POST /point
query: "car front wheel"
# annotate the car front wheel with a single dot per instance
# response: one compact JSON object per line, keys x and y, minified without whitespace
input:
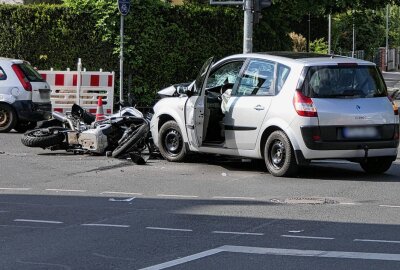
{"x":279,"y":155}
{"x":170,"y":142}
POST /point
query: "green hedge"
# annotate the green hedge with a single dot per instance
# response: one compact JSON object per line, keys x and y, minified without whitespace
{"x":164,"y":44}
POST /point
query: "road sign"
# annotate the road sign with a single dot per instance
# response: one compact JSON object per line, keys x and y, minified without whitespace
{"x":123,"y":7}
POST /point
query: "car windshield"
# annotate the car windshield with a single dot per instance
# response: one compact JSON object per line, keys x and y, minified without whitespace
{"x":343,"y":81}
{"x":31,"y":74}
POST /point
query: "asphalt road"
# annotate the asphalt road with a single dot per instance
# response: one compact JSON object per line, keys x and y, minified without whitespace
{"x":64,"y":211}
{"x":392,"y":79}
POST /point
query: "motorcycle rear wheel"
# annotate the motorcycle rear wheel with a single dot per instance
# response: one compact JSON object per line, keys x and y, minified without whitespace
{"x":130,"y":140}
{"x":43,"y":138}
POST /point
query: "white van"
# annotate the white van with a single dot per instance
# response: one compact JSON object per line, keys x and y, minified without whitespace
{"x":24,"y":96}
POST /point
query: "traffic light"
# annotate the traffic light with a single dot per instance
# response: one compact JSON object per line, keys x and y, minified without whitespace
{"x":258,"y":5}
{"x":261,"y":4}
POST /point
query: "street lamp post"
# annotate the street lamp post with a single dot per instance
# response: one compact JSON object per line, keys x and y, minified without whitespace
{"x":387,"y":38}
{"x":354,"y":39}
{"x":329,"y":32}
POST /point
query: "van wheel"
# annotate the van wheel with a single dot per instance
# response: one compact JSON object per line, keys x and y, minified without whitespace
{"x":170,"y":141}
{"x":279,"y":155}
{"x":376,"y":165}
{"x":8,"y":118}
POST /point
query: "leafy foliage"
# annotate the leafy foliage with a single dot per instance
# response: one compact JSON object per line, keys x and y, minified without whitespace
{"x":298,"y":42}
{"x":319,"y":46}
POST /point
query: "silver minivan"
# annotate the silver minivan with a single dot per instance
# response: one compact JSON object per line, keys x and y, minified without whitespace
{"x":24,"y":96}
{"x":286,"y":108}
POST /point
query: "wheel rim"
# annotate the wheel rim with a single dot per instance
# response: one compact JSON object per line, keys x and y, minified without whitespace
{"x":4,"y":117}
{"x":41,"y":133}
{"x":277,"y":154}
{"x":173,"y":142}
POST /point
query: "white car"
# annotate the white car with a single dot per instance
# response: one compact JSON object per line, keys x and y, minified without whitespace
{"x":286,"y":108}
{"x":24,"y":96}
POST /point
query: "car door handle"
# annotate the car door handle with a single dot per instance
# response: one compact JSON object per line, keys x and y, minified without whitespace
{"x":259,"y":108}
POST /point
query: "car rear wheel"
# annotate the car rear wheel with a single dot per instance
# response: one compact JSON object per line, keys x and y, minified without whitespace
{"x":279,"y":155}
{"x":376,"y":165}
{"x":170,"y":142}
{"x":8,"y":118}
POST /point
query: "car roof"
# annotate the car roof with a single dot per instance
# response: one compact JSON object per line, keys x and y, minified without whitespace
{"x":13,"y":60}
{"x":303,"y":58}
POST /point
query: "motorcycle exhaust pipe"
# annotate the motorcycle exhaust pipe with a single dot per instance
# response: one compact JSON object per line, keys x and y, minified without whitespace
{"x":60,"y":117}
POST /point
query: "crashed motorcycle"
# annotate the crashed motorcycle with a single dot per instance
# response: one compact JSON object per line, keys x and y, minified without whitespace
{"x":124,"y":132}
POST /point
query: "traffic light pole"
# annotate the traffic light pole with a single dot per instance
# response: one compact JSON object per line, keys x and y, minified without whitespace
{"x":248,"y":26}
{"x":250,"y":8}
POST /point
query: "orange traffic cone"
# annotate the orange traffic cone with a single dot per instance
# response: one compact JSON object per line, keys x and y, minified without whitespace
{"x":100,"y":113}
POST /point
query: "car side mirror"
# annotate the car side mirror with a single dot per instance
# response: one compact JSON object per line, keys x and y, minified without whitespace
{"x":182,"y":90}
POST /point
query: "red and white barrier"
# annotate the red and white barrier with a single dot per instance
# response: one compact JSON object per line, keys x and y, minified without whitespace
{"x":93,"y":84}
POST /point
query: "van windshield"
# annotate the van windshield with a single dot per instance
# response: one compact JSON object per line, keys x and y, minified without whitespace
{"x":343,"y":81}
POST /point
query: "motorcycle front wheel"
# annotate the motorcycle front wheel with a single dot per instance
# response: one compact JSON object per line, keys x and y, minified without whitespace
{"x":130,"y":139}
{"x":43,"y":138}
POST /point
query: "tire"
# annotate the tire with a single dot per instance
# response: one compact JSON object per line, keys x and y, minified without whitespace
{"x":8,"y":118}
{"x":22,"y":127}
{"x":376,"y":165}
{"x":170,"y":142}
{"x":43,"y":137}
{"x":130,"y":140}
{"x":279,"y":155}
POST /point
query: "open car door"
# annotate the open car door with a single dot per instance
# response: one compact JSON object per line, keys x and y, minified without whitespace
{"x":195,"y":106}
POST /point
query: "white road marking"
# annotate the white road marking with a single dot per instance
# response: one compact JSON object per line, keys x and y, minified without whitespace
{"x":176,"y":195}
{"x":184,"y":259}
{"x":38,"y":221}
{"x":30,"y":227}
{"x":106,"y":225}
{"x":298,"y":231}
{"x":349,"y":203}
{"x":3,"y":211}
{"x":234,"y":198}
{"x":377,"y":241}
{"x":169,"y":229}
{"x":121,"y":200}
{"x":62,"y":266}
{"x":391,"y":206}
{"x":16,"y":189}
{"x":307,"y":237}
{"x":122,"y":193}
{"x":279,"y":252}
{"x":239,"y":233}
{"x":65,"y":190}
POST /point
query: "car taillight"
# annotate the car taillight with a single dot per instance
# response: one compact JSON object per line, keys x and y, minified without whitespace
{"x":22,"y":78}
{"x":303,"y":105}
{"x":395,"y":108}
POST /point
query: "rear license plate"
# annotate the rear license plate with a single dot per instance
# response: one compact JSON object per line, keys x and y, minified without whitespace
{"x":44,"y":93}
{"x":360,"y":133}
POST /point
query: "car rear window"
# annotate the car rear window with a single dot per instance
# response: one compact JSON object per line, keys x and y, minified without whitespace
{"x":343,"y":81}
{"x":31,"y":74}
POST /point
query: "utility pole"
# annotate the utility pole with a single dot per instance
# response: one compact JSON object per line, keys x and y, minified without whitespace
{"x":252,"y":9}
{"x":354,"y":39}
{"x":329,"y":32}
{"x":248,"y":26}
{"x":387,"y":38}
